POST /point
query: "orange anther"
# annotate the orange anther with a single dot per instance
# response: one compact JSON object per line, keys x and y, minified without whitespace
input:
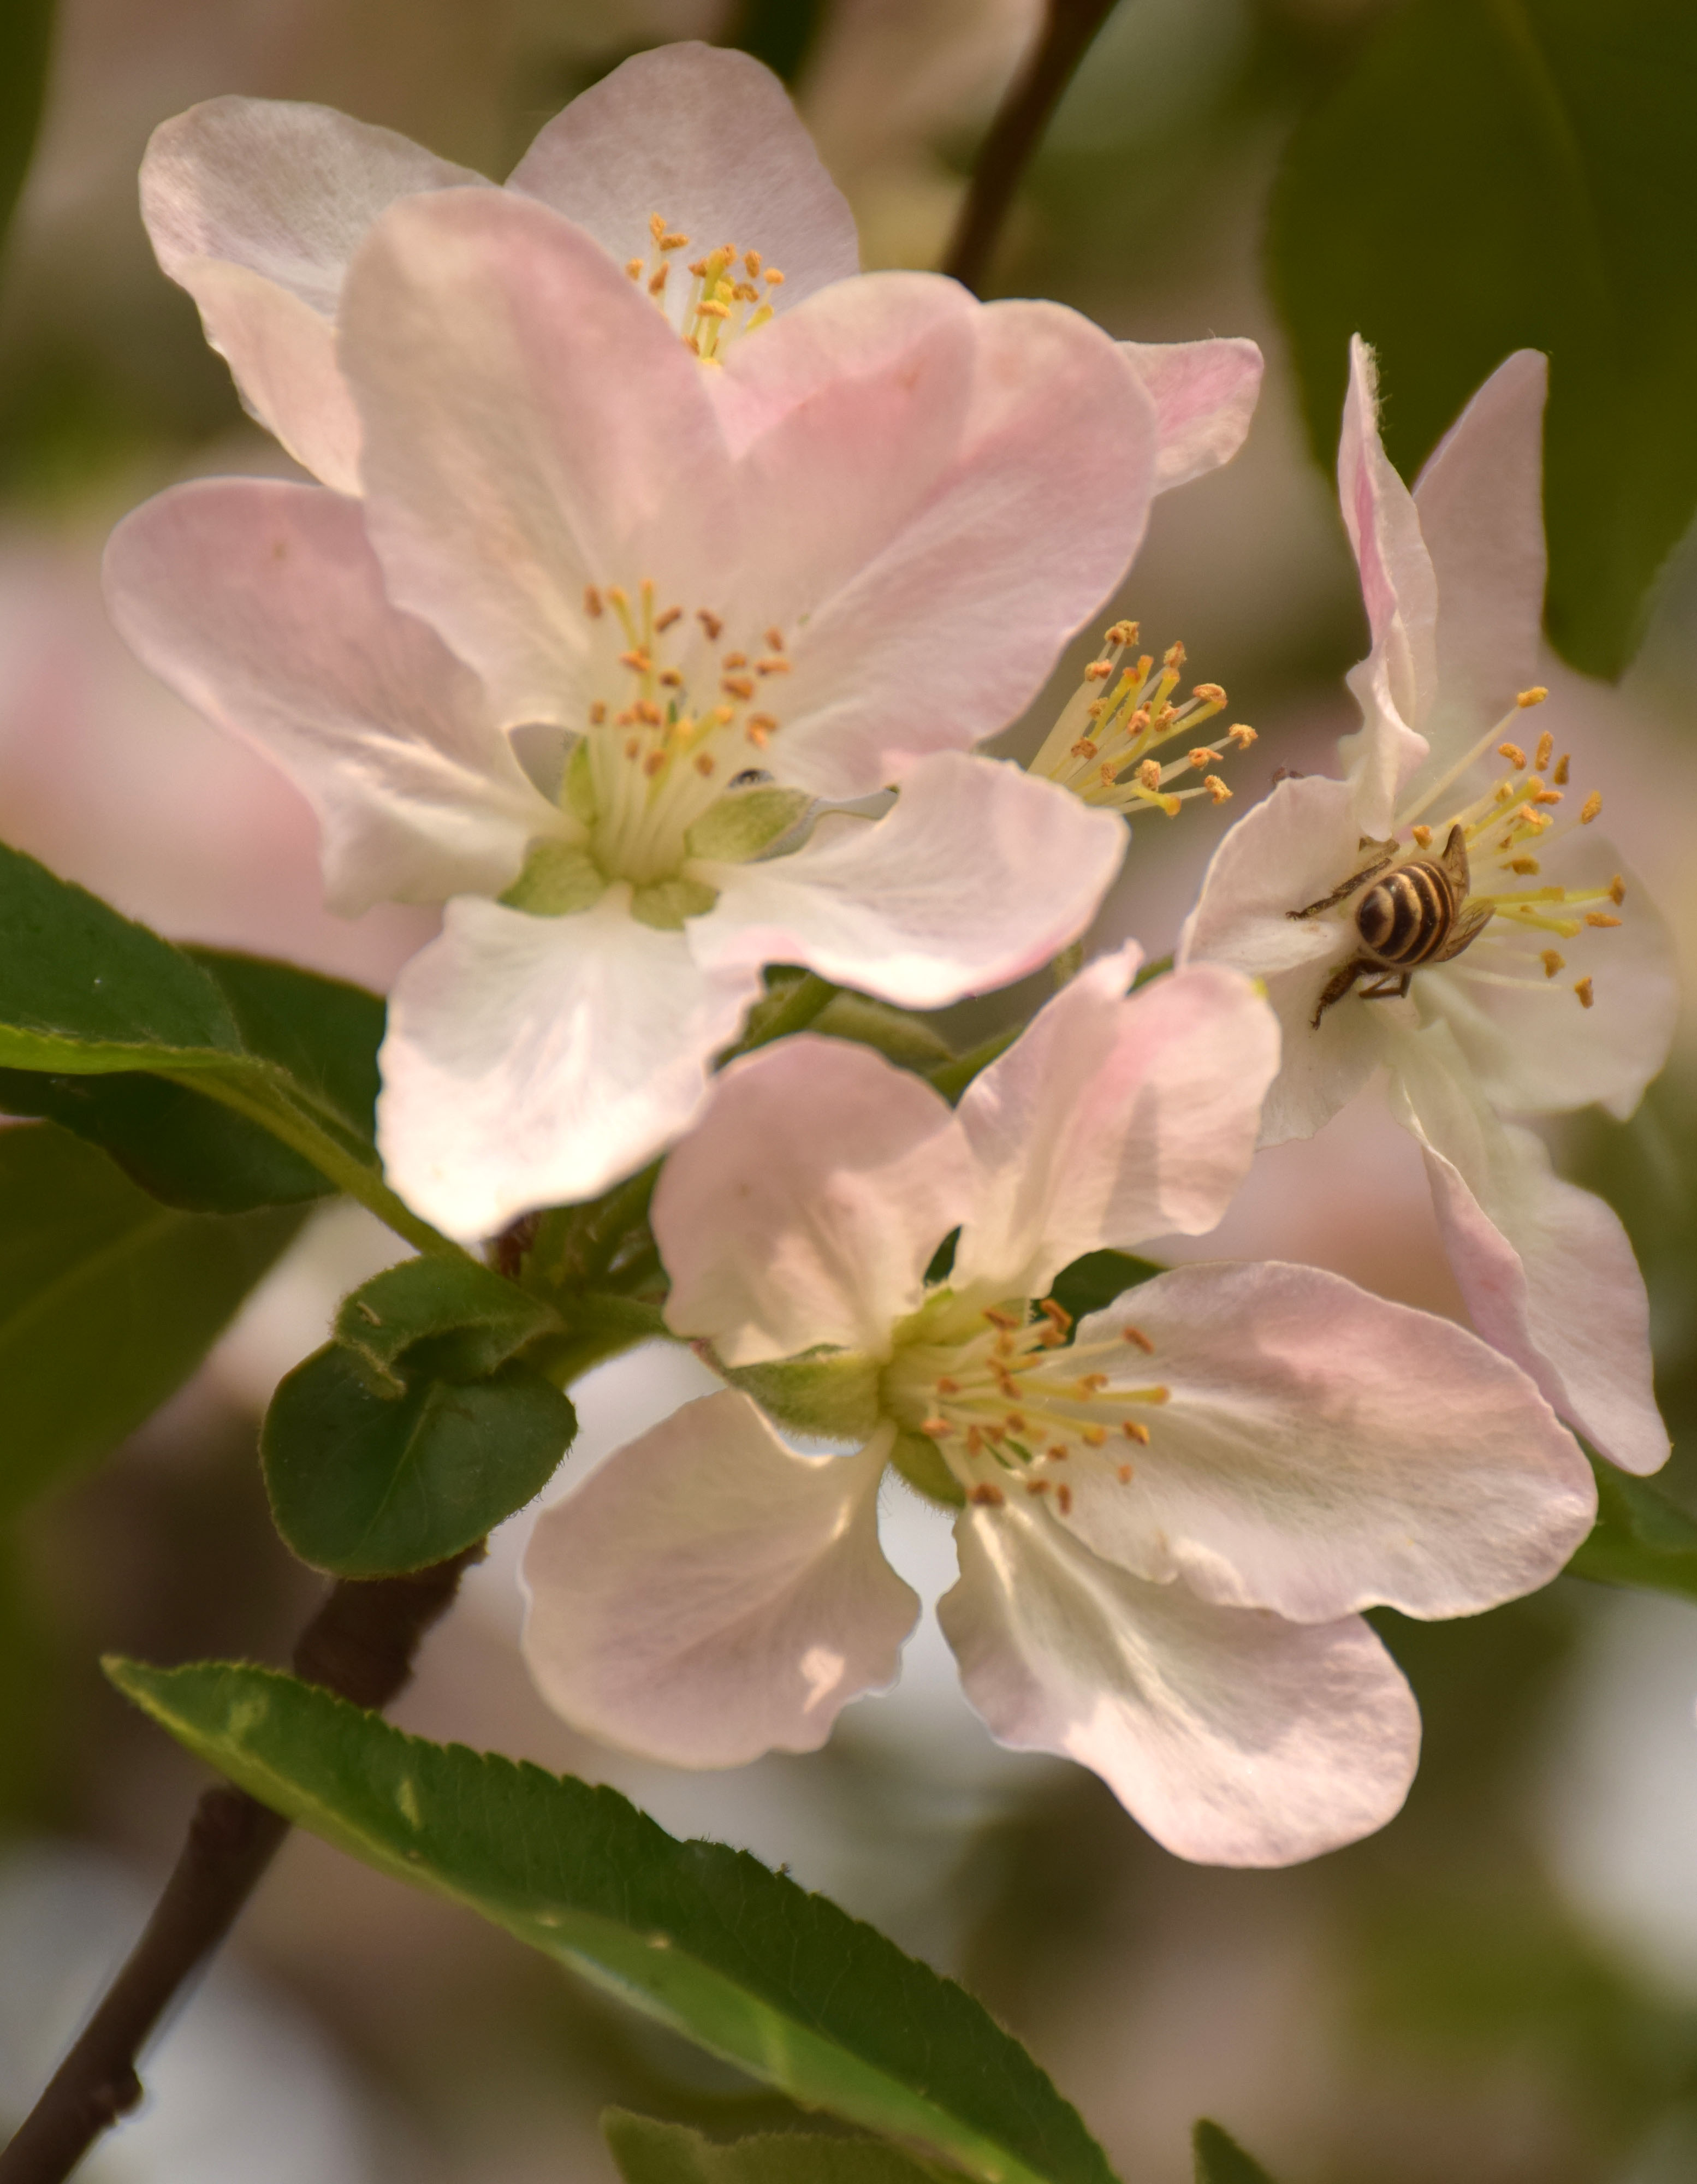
{"x":1553,"y":961}
{"x":1137,"y":1339}
{"x":1513,"y":752}
{"x":985,"y":1495}
{"x":1599,"y":917}
{"x":1589,"y":810}
{"x":1546,"y":746}
{"x":1535,"y":696}
{"x":1583,"y":988}
{"x":711,"y":623}
{"x":1422,"y":836}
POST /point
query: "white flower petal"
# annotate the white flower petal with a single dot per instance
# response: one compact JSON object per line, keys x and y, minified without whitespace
{"x":709,"y":1595}
{"x":1204,"y":393}
{"x":805,"y":1205}
{"x":1533,"y":1049}
{"x":532,"y":1061}
{"x":1114,"y":1119}
{"x":1323,"y":1452}
{"x":532,"y":426}
{"x":256,"y":206}
{"x":1398,"y":681}
{"x":978,"y":875}
{"x":1291,"y":850}
{"x":1546,"y":1269}
{"x":1480,"y":501}
{"x":1038,"y":456}
{"x":262,"y":604}
{"x":1234,"y":1737}
{"x":707,"y":138}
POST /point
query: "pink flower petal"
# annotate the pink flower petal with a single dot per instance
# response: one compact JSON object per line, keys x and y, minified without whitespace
{"x":262,"y":604}
{"x":532,"y":426}
{"x":1546,"y":1269}
{"x":979,"y":875}
{"x":1112,"y":1120}
{"x":1035,"y":448}
{"x":532,"y":1060}
{"x":709,"y":1594}
{"x":807,"y":1203}
{"x":1287,"y":852}
{"x":1234,"y":1737}
{"x":1323,"y":1452}
{"x":1398,"y":681}
{"x":1204,"y":393}
{"x":256,"y":206}
{"x":707,"y":138}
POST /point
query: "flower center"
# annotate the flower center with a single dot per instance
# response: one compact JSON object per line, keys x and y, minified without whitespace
{"x":714,"y":298}
{"x":1102,"y":746}
{"x":1010,"y":1407}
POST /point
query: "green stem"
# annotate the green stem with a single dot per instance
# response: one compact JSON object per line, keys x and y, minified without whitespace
{"x":951,"y":1079}
{"x":345,"y":1169}
{"x":809,"y":998}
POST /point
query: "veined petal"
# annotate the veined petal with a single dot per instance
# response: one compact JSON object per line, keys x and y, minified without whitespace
{"x":532,"y":1060}
{"x":1287,"y":852}
{"x":709,"y":1595}
{"x":1546,"y":1269}
{"x":1235,"y":1738}
{"x":1113,"y":1119}
{"x":707,"y":138}
{"x":1480,"y":502}
{"x":1532,"y":1048}
{"x":1205,"y":394}
{"x":1321,"y":1450}
{"x":532,"y":426}
{"x":980,"y":874}
{"x":283,"y":193}
{"x":944,"y":628}
{"x":805,"y":1205}
{"x":1398,"y":681}
{"x":262,"y":604}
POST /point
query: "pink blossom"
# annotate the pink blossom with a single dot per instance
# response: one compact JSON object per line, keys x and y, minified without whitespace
{"x":1167,"y":1526}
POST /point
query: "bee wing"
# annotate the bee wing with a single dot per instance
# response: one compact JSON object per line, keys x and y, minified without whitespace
{"x":1464,"y":932}
{"x":1454,"y":863}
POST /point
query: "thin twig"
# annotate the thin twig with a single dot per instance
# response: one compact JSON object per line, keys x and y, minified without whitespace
{"x":1069,"y":26}
{"x":361,"y":1644}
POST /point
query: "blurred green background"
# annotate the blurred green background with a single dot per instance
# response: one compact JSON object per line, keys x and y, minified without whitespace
{"x":1500,"y":1989}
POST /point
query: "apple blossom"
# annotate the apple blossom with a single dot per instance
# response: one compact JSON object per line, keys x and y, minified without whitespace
{"x":1562,"y":991}
{"x":1168,"y":1525}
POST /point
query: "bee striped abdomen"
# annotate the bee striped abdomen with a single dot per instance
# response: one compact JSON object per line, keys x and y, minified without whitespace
{"x":1403,"y":918}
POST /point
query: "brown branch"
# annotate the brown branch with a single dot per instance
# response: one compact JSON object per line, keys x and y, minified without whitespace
{"x":1069,"y":26}
{"x":361,"y":1645}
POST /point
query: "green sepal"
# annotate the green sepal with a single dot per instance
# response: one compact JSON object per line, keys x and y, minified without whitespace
{"x":577,"y":784}
{"x":646,"y":2152}
{"x":1220,"y":2160}
{"x":899,"y":1034}
{"x":558,"y":878}
{"x":744,"y":822}
{"x":668,"y":905}
{"x":705,"y":1938}
{"x":108,"y":1301}
{"x":919,"y":1461}
{"x":362,"y":1485}
{"x":830,"y":1393}
{"x":1640,"y":1537}
{"x":443,"y":1319}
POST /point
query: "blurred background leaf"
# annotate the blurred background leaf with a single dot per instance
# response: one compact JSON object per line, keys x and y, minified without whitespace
{"x":1505,"y":173}
{"x":26,"y":37}
{"x":1220,"y":2160}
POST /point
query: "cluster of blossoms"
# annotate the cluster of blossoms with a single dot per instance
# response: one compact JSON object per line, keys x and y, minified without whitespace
{"x":663,"y":572}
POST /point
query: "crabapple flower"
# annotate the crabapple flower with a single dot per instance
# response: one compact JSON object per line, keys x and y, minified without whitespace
{"x":601,"y":625}
{"x":257,"y":207}
{"x":1167,"y":1524}
{"x":1451,"y":864}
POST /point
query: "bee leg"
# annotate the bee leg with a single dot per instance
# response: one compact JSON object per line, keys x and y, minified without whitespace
{"x":1466,"y":931}
{"x":1388,"y":852}
{"x":1337,"y":985}
{"x":1388,"y":986}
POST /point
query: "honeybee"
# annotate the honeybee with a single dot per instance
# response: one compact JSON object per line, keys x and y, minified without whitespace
{"x":1412,"y":916}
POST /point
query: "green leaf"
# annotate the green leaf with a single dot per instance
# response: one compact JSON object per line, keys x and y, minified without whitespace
{"x":1220,"y":2160}
{"x":1505,"y":173}
{"x":649,"y":2153}
{"x":191,"y":1151}
{"x":1092,"y":1283}
{"x":25,"y":47}
{"x":1640,"y":1538}
{"x":365,"y":1485}
{"x":451,"y":1319}
{"x":107,"y":1301}
{"x":85,"y":990}
{"x":701,"y":1936}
